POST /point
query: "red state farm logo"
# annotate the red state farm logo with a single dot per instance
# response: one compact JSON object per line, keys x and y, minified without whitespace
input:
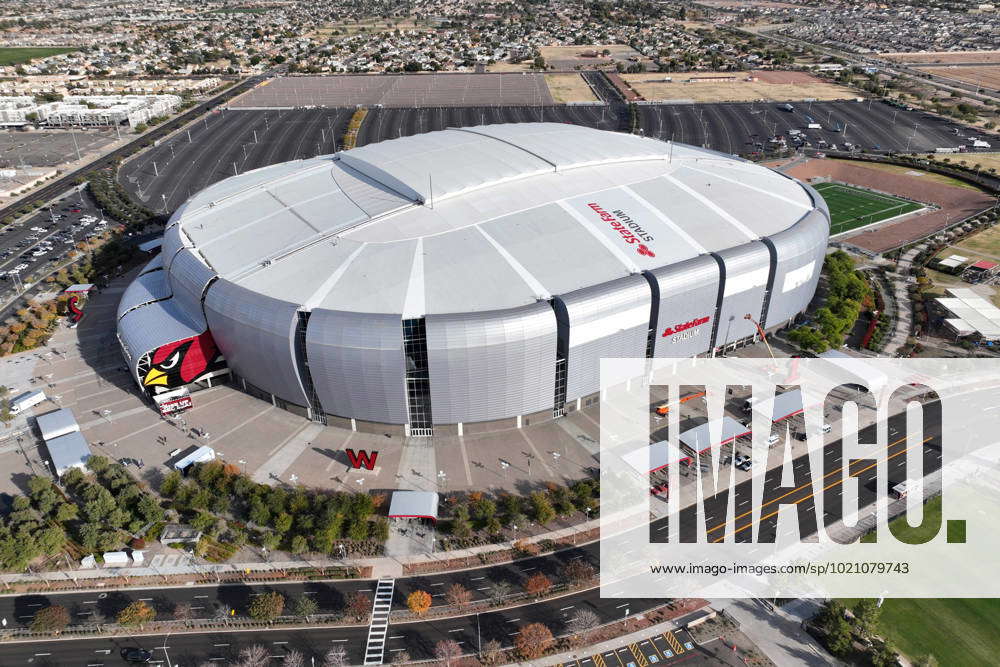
{"x":684,"y":326}
{"x":630,"y":231}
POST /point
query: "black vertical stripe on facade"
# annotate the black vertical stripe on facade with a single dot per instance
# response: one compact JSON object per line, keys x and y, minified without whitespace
{"x":772,"y":270}
{"x":562,"y":351}
{"x":654,"y":312}
{"x":718,"y":298}
{"x":302,"y":364}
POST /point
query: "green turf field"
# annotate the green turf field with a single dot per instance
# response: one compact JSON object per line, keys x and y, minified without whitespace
{"x":16,"y":56}
{"x":853,"y":207}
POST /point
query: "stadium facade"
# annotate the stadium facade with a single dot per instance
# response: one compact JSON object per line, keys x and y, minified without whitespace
{"x":468,"y":279}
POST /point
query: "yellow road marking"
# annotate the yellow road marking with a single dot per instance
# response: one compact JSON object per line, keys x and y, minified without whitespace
{"x":638,"y":655}
{"x":811,"y":495}
{"x":832,"y":472}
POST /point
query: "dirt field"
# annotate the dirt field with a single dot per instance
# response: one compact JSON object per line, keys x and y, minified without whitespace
{"x":955,"y":203}
{"x":946,"y":57}
{"x":373,"y":25}
{"x":653,"y":87}
{"x":774,"y":76}
{"x":569,"y":88}
{"x":987,"y":76}
{"x":763,"y":4}
{"x":988,"y":160}
{"x":570,"y":57}
{"x":922,"y":175}
{"x":510,"y":67}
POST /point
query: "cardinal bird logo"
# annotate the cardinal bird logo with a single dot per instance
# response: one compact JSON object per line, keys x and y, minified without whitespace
{"x":183,"y":361}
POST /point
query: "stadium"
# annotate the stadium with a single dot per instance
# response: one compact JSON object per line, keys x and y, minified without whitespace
{"x":470,"y":279}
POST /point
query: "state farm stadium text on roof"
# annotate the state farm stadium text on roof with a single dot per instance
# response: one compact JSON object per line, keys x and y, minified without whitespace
{"x":469,"y":275}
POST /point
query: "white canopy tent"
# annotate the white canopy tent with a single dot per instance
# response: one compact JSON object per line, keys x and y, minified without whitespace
{"x":414,"y":505}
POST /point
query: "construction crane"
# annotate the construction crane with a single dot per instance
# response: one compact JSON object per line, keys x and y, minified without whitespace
{"x":665,"y":408}
{"x":763,"y":336}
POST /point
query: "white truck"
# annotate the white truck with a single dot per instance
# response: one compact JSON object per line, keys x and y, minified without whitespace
{"x":814,"y":126}
{"x":26,"y":400}
{"x":979,"y":143}
{"x":899,"y":491}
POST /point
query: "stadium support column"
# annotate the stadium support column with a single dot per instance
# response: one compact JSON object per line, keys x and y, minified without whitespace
{"x":654,"y":312}
{"x":562,"y":357}
{"x":418,"y":379}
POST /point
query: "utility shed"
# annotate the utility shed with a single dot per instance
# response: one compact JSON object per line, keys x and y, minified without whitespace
{"x":414,"y":505}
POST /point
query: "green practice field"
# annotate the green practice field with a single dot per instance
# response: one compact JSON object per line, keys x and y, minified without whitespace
{"x":853,"y":207}
{"x":16,"y":56}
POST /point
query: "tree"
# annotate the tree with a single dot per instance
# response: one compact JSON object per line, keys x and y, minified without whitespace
{"x":492,"y":653}
{"x":336,"y":657}
{"x":267,"y":607}
{"x":183,"y":611}
{"x":537,"y":584}
{"x":534,"y":640}
{"x":839,"y":637}
{"x":293,"y":658}
{"x":458,"y":594}
{"x":578,"y":571}
{"x":304,"y":606}
{"x":581,"y":621}
{"x":136,"y":614}
{"x":254,"y":655}
{"x":499,"y":591}
{"x":885,"y":656}
{"x":359,"y":606}
{"x":866,"y":614}
{"x":418,"y":602}
{"x":447,"y":650}
{"x":401,"y":658}
{"x":50,"y":619}
{"x":542,"y":507}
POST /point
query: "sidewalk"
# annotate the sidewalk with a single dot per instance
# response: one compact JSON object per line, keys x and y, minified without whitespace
{"x":778,"y":634}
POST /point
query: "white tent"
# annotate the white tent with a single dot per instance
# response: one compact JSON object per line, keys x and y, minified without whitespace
{"x":699,"y":438}
{"x":67,"y":452}
{"x":414,"y":505}
{"x":56,"y":423}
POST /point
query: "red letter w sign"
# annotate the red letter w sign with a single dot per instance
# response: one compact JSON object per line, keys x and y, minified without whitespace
{"x":362,"y":458}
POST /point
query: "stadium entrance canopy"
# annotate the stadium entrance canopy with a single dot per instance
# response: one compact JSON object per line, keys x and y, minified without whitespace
{"x":414,"y":505}
{"x":699,"y":438}
{"x":657,"y":456}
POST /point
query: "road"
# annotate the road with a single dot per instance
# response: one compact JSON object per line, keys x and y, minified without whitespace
{"x":417,"y":638}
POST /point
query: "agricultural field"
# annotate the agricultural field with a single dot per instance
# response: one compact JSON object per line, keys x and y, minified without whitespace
{"x":569,"y":88}
{"x":852,"y":207}
{"x":654,"y":86}
{"x":18,"y":55}
{"x":945,"y":57}
{"x":987,"y":76}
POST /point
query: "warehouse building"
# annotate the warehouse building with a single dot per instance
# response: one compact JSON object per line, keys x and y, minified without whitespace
{"x":468,"y":279}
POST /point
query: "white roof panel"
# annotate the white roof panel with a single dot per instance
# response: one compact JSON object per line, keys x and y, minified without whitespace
{"x":68,"y":451}
{"x":56,"y":423}
{"x":510,"y":219}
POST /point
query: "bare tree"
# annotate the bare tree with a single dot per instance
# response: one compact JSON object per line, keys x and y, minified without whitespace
{"x":581,"y":621}
{"x":498,"y":591}
{"x":183,"y":611}
{"x":294,"y":659}
{"x":401,"y":658}
{"x":335,"y":657}
{"x":457,"y":594}
{"x":254,"y":655}
{"x":492,"y":653}
{"x":447,"y":650}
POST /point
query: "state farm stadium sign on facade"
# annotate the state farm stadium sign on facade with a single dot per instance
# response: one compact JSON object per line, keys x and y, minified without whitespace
{"x":468,"y":276}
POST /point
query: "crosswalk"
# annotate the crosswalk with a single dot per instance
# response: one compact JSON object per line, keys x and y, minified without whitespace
{"x":379,"y":628}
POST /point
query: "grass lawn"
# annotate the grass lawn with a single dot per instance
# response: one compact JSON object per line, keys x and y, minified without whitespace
{"x":17,"y":55}
{"x":853,"y":207}
{"x":956,"y":631}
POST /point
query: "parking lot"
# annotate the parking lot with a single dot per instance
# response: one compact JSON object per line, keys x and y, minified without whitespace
{"x":34,"y":245}
{"x":51,"y":147}
{"x":230,"y":142}
{"x":667,"y":648}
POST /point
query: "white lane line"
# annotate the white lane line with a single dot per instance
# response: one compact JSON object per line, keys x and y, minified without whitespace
{"x":145,"y":599}
{"x":220,"y":645}
{"x":565,"y":608}
{"x":396,"y":637}
{"x":437,"y":595}
{"x":622,"y":605}
{"x":39,"y":604}
{"x":456,"y":630}
{"x":514,"y":620}
{"x":338,"y":640}
{"x":205,"y":596}
{"x":513,"y":633}
{"x":475,"y":578}
{"x":41,"y":654}
{"x":279,"y":642}
{"x":440,"y":584}
{"x":484,"y":588}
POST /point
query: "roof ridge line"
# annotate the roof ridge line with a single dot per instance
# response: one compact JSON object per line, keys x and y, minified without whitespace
{"x":472,"y":130}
